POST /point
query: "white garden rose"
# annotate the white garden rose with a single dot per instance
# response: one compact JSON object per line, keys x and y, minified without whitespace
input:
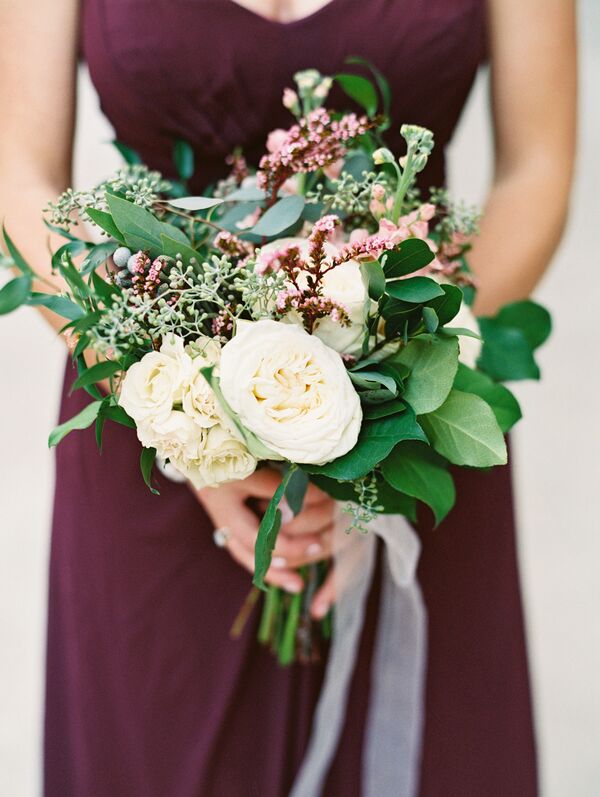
{"x":153,"y":385}
{"x":343,"y":284}
{"x":198,"y":398}
{"x":175,"y":437}
{"x":291,"y":391}
{"x":224,"y":458}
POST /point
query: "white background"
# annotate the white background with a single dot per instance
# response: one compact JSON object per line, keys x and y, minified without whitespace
{"x":557,"y":472}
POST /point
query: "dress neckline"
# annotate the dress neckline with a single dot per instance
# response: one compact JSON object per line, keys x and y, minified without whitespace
{"x":280,"y":23}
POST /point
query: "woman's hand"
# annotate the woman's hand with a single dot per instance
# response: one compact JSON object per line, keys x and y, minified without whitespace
{"x":302,"y":539}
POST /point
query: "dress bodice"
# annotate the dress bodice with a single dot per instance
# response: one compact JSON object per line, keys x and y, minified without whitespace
{"x":211,"y":72}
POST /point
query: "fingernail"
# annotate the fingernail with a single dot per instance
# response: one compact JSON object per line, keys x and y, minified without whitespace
{"x":286,"y":513}
{"x":313,"y":549}
{"x":320,"y":610}
{"x":279,"y":562}
{"x":291,"y":586}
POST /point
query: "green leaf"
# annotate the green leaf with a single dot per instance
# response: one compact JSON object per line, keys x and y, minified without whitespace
{"x":82,"y":420}
{"x":104,"y":289}
{"x":14,"y":294}
{"x":116,"y":413}
{"x":249,"y":193}
{"x":504,"y":405}
{"x":183,"y":158}
{"x":98,"y":255}
{"x":370,"y":379}
{"x":140,"y":229}
{"x":296,"y":490}
{"x":147,"y":459}
{"x":268,"y":530}
{"x":433,"y":366}
{"x":99,"y":429}
{"x":372,"y":411}
{"x":360,"y":90}
{"x":531,"y":318}
{"x":128,"y":154}
{"x":16,"y":255}
{"x":173,"y":248}
{"x":414,"y":289}
{"x":196,"y":202}
{"x":382,"y":83}
{"x":106,"y":222}
{"x":415,"y":469}
{"x":278,"y":218}
{"x":373,"y":278}
{"x":506,"y":354}
{"x":375,"y":441}
{"x":390,"y":500}
{"x":465,"y":431}
{"x":356,"y":163}
{"x":448,"y":305}
{"x":61,"y":305}
{"x":96,"y":373}
{"x":430,"y":320}
{"x":412,"y":255}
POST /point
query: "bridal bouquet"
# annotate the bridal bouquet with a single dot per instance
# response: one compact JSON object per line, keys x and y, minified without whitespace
{"x":314,"y":313}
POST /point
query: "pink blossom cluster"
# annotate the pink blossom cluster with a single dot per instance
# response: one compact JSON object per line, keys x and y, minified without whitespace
{"x":311,"y":307}
{"x":222,"y":323}
{"x":287,"y":258}
{"x":230,"y":244}
{"x":322,"y":231}
{"x":317,"y":141}
{"x":146,"y":274}
{"x":239,"y":167}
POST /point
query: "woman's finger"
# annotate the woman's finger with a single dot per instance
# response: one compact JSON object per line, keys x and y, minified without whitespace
{"x":285,"y":578}
{"x":324,"y":598}
{"x":301,"y":550}
{"x":311,"y":520}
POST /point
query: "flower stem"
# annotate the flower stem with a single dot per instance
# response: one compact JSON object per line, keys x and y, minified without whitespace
{"x":287,"y":649}
{"x":271,"y":607}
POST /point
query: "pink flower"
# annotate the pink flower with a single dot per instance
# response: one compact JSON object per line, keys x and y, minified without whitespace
{"x":249,"y":220}
{"x":276,"y":139}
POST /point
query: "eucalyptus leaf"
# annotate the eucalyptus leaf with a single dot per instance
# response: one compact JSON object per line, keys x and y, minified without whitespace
{"x":196,"y":202}
{"x":531,"y":318}
{"x":172,"y":248}
{"x":140,"y":228}
{"x":128,"y":154}
{"x":372,"y":411}
{"x":465,"y":431}
{"x":448,"y":305}
{"x":96,"y":373}
{"x":278,"y":218}
{"x":296,"y":490}
{"x":251,"y":193}
{"x":506,"y":354}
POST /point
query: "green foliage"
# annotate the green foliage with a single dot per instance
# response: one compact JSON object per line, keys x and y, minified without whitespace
{"x":193,"y":203}
{"x":447,"y":306}
{"x":415,"y":469}
{"x":61,"y":305}
{"x":382,"y":83}
{"x":280,"y":217}
{"x":128,"y":154}
{"x":510,"y":338}
{"x":360,"y":90}
{"x":296,"y":490}
{"x":183,"y":158}
{"x":98,"y":255}
{"x":414,"y":290}
{"x":374,"y":278}
{"x":504,"y":405}
{"x":147,"y":459}
{"x":140,"y":228}
{"x":16,"y":255}
{"x":82,"y":420}
{"x":14,"y":294}
{"x":412,"y":255}
{"x":375,"y":441}
{"x":106,"y":222}
{"x":465,"y":431}
{"x":268,"y":531}
{"x":96,"y":373}
{"x":433,"y":364}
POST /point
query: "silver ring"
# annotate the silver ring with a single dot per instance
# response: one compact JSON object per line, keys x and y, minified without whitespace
{"x":221,"y":536}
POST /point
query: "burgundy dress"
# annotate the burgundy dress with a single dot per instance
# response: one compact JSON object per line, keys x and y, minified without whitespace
{"x":147,"y":696}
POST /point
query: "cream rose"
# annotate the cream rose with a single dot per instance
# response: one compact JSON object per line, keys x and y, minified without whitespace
{"x":343,"y":284}
{"x":224,"y":458}
{"x":175,"y":437}
{"x":291,"y":391}
{"x":152,"y":385}
{"x":198,"y":399}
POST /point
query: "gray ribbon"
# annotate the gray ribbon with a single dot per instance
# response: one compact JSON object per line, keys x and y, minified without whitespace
{"x":395,"y":716}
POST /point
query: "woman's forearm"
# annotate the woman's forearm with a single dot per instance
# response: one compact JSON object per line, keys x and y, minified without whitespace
{"x":522,"y":225}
